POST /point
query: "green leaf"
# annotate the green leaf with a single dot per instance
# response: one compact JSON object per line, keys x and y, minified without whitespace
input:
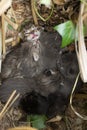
{"x":37,"y":121}
{"x":67,"y":31}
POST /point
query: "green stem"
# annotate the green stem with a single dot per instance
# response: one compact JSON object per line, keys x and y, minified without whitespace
{"x":84,"y":2}
{"x":40,"y":15}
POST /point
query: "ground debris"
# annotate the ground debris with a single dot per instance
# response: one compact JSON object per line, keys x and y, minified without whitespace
{"x":10,"y":118}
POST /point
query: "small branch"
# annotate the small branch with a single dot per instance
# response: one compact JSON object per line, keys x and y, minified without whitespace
{"x":38,"y":14}
{"x":12,"y":102}
{"x":9,"y":40}
{"x":9,"y":103}
{"x":71,"y":98}
{"x":14,"y":15}
{"x":14,"y":25}
{"x":22,"y":128}
{"x":81,"y":47}
{"x":3,"y":35}
{"x":33,"y":12}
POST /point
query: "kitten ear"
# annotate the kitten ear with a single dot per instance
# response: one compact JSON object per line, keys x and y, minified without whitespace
{"x":35,"y":56}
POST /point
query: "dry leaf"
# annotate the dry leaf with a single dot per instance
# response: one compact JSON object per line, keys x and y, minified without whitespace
{"x":4,"y":5}
{"x":60,"y":2}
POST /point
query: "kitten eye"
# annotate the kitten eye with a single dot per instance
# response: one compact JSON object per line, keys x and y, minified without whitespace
{"x":71,"y":72}
{"x":47,"y":72}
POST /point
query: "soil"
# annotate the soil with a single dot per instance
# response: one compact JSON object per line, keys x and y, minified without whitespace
{"x":61,"y":13}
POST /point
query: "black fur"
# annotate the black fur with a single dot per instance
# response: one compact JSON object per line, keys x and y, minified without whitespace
{"x":20,"y":62}
{"x":45,"y":85}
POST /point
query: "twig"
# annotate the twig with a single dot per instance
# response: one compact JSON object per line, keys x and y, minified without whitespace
{"x":3,"y":35}
{"x":22,"y":128}
{"x":57,"y":118}
{"x":38,"y":14}
{"x":9,"y":103}
{"x":34,"y":13}
{"x":14,"y":15}
{"x":14,"y":25}
{"x":16,"y":97}
{"x":9,"y":40}
{"x":9,"y":100}
{"x":71,"y":98}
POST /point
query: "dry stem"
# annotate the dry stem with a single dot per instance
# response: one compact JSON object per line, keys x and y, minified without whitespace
{"x":34,"y":13}
{"x":9,"y":103}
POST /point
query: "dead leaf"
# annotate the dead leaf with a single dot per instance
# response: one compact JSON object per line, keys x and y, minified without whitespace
{"x":4,"y":5}
{"x":57,"y":118}
{"x":59,"y":2}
